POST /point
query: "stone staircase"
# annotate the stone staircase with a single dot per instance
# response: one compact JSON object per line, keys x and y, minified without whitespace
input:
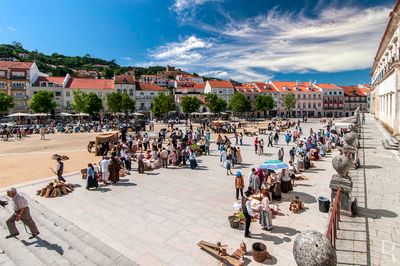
{"x":60,"y":242}
{"x":391,"y":143}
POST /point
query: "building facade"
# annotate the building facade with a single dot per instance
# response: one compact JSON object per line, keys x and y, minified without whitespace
{"x":333,"y":99}
{"x":308,"y":98}
{"x":222,"y":88}
{"x":356,"y":97}
{"x":16,"y":79}
{"x":145,"y":94}
{"x":385,"y":75}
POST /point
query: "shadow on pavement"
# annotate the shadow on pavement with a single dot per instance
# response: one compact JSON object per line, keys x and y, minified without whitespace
{"x":43,"y":243}
{"x":375,"y":213}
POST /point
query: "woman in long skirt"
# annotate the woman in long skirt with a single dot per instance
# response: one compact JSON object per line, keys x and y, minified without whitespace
{"x":276,"y":189}
{"x":286,"y":183}
{"x":91,"y":178}
{"x":265,"y":212}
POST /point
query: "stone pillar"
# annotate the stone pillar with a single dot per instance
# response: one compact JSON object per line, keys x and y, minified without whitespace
{"x":342,"y":164}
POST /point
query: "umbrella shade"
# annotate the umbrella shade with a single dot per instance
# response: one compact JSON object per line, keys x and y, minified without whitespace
{"x":119,"y":114}
{"x":273,"y":165}
{"x":39,"y":114}
{"x":195,"y":113}
{"x":19,"y":114}
{"x":137,"y":114}
{"x":82,"y":114}
{"x":65,"y":114}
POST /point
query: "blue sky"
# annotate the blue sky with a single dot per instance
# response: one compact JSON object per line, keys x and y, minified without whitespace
{"x":246,"y":40}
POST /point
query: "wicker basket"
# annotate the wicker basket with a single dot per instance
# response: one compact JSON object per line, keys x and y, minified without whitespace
{"x":234,"y":221}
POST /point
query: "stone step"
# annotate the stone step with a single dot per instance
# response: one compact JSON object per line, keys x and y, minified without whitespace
{"x":94,"y":251}
{"x":14,"y":252}
{"x":62,"y":243}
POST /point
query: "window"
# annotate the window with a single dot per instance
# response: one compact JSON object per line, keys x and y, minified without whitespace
{"x":58,"y":93}
{"x":50,"y":84}
{"x":334,"y":93}
{"x":152,"y":94}
{"x":220,"y":91}
{"x":339,"y":93}
{"x":67,"y":93}
{"x":2,"y":73}
{"x":100,"y":94}
{"x":330,"y":93}
{"x":309,"y":105}
{"x":18,"y":85}
{"x":314,"y":105}
{"x":309,"y":96}
{"x":18,"y":74}
{"x":304,"y":105}
{"x":319,"y":104}
{"x":2,"y":85}
{"x":315,"y":96}
{"x":304,"y":96}
{"x":141,"y":106}
{"x":319,"y":96}
{"x":118,"y":90}
{"x":68,"y":104}
{"x":131,"y":92}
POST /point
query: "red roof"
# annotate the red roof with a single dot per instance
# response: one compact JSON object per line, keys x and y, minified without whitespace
{"x":356,"y":90}
{"x":327,"y":86}
{"x":199,"y":86}
{"x":15,"y":65}
{"x":265,"y":87}
{"x":143,"y":86}
{"x":57,"y":80}
{"x":291,"y":86}
{"x":220,"y":84}
{"x":82,"y":83}
{"x":124,"y":79}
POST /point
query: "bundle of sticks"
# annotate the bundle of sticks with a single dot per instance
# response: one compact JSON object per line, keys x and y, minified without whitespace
{"x":55,"y":189}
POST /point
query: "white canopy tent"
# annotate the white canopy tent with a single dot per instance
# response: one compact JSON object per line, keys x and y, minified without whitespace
{"x":19,"y":115}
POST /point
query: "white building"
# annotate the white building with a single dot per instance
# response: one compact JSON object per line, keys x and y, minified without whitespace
{"x":333,"y":98}
{"x":385,"y":75}
{"x":63,"y":87}
{"x":145,"y":94}
{"x":222,"y":88}
{"x":125,"y":84}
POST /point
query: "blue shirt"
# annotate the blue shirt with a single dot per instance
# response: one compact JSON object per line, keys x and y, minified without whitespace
{"x":90,"y":171}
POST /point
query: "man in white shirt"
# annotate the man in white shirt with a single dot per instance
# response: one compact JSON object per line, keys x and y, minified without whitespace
{"x":21,"y":212}
{"x":105,"y":173}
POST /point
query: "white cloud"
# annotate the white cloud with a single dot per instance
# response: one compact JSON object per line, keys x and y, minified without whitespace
{"x":181,"y":5}
{"x":11,"y":28}
{"x":186,"y":51}
{"x":335,"y":40}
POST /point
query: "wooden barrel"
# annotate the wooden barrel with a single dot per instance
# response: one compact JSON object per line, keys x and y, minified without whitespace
{"x":259,"y":251}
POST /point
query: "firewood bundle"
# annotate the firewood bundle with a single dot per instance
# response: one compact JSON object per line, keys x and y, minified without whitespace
{"x":55,"y":189}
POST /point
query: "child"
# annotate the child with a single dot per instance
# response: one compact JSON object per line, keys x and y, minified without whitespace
{"x":239,"y":184}
{"x":228,"y":164}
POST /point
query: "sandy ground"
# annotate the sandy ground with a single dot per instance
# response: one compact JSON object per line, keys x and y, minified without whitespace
{"x":29,"y":159}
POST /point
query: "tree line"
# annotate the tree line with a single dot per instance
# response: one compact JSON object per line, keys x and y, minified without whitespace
{"x":91,"y":103}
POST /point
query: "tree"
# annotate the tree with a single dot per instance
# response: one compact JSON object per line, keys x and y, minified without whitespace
{"x":239,"y":103}
{"x":114,"y":102}
{"x":93,"y":103}
{"x":162,"y":104}
{"x":108,"y":73}
{"x":6,"y":102}
{"x":79,"y":102}
{"x":190,"y":104}
{"x":289,"y":100}
{"x":118,"y":102}
{"x":264,"y":103}
{"x":42,"y":102}
{"x":214,"y":103}
{"x":127,"y":104}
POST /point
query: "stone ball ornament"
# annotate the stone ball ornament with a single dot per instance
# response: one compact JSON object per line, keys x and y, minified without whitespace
{"x":350,"y":138}
{"x":311,"y":248}
{"x":353,"y":127}
{"x":341,"y":164}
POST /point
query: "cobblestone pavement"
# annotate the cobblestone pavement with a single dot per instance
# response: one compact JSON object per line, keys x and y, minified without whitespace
{"x":373,"y":237}
{"x":158,"y":218}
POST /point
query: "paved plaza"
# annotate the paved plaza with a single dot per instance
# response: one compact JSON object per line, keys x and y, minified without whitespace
{"x":157,"y":218}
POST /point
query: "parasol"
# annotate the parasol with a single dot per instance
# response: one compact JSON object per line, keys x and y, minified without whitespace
{"x":39,"y":114}
{"x":137,"y":114}
{"x":82,"y":114}
{"x":65,"y":114}
{"x":273,"y":165}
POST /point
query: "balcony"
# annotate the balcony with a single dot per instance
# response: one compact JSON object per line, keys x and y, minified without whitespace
{"x":18,"y":87}
{"x":20,"y":97}
{"x":145,"y":97}
{"x":18,"y":77}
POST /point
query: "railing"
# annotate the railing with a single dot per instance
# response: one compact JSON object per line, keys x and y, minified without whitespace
{"x":334,"y":219}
